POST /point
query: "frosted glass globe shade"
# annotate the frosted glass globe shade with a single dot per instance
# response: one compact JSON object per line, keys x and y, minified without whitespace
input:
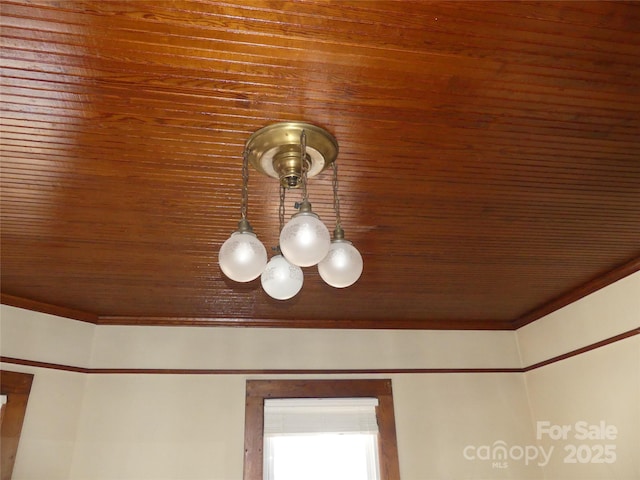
{"x":342,"y":266}
{"x":242,"y":257}
{"x":305,"y":240}
{"x":281,"y":280}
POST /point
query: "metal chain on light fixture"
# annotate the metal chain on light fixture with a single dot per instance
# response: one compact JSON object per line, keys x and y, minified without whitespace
{"x":338,"y":233}
{"x":243,"y":224}
{"x":343,"y":264}
{"x":281,"y":212}
{"x":244,"y":202}
{"x":281,"y":280}
{"x":304,"y":165}
{"x":304,"y":240}
{"x":242,"y":256}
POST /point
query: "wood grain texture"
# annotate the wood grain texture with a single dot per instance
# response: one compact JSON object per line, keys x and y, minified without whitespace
{"x":489,"y":156}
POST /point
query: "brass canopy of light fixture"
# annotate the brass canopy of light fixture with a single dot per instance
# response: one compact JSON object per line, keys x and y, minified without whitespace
{"x":275,"y":151}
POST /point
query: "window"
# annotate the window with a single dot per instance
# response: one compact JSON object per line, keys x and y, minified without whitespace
{"x":345,"y":430}
{"x":332,"y":416}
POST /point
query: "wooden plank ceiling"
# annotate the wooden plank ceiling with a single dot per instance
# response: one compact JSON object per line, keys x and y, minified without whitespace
{"x":489,"y":155}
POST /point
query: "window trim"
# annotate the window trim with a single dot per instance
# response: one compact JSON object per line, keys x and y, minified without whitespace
{"x":258,"y":390}
{"x":16,"y":386}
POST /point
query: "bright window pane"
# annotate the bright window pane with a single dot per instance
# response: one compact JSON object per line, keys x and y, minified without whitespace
{"x":321,"y":457}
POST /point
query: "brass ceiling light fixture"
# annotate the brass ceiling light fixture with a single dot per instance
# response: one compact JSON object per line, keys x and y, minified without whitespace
{"x":291,"y":152}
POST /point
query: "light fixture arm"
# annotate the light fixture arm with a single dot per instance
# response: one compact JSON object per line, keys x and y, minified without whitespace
{"x":281,"y":209}
{"x":281,"y":280}
{"x":281,"y":214}
{"x":242,"y":257}
{"x":304,"y":165}
{"x":245,"y":185}
{"x":338,"y":232}
{"x":343,"y":264}
{"x":243,"y":224}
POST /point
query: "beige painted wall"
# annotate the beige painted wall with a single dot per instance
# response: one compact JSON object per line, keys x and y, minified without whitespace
{"x":161,"y":427}
{"x":191,"y":426}
{"x":45,"y":338}
{"x":50,"y":429}
{"x":49,"y":432}
{"x":610,"y":311}
{"x":602,"y":385}
{"x":600,"y":392}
